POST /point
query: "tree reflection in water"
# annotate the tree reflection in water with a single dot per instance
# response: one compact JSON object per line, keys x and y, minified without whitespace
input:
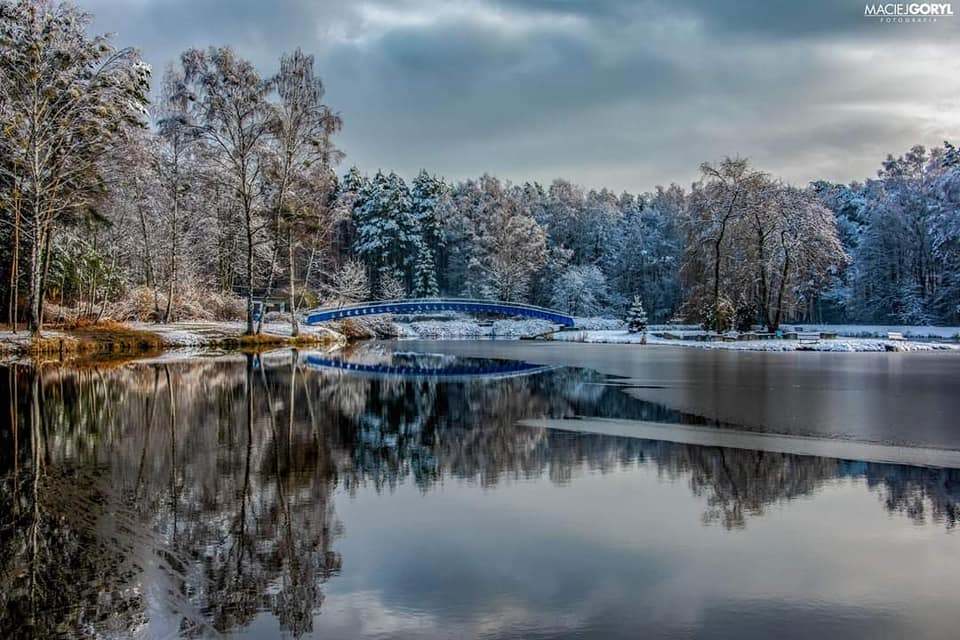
{"x":202,"y":491}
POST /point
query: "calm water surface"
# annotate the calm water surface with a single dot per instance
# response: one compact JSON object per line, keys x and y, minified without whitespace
{"x":394,"y":490}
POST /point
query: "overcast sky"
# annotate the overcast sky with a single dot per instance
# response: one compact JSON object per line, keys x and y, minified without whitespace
{"x":616,"y":93}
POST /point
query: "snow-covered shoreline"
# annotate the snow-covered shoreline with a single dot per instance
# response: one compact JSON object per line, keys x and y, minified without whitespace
{"x":199,"y":333}
{"x":844,"y":344}
{"x":130,"y":338}
{"x":458,"y":329}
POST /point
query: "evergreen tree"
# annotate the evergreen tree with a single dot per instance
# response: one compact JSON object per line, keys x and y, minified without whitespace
{"x":428,"y":203}
{"x":386,"y":234}
{"x":425,"y":280}
{"x":636,"y":317}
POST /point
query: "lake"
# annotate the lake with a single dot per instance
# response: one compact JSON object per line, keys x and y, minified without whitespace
{"x":482,"y":489}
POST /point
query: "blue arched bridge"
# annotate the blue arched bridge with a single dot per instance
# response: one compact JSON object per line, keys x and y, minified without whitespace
{"x":421,"y":306}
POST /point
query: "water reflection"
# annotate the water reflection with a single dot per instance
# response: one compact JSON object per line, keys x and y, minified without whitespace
{"x":192,"y":497}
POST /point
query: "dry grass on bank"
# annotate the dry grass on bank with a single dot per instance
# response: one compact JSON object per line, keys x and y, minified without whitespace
{"x":85,"y":339}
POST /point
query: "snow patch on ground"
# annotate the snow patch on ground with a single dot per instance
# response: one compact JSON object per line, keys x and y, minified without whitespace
{"x":199,"y":333}
{"x":599,"y":324}
{"x":881,"y":331}
{"x":443,"y":329}
{"x":457,"y":329}
{"x":843,"y":345}
{"x":20,"y":342}
{"x":522,"y":328}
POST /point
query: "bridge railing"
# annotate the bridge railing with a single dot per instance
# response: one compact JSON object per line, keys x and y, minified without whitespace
{"x":386,"y":303}
{"x":419,"y":305}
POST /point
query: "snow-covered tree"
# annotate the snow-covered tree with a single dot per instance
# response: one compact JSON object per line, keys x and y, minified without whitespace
{"x":230,"y":102}
{"x":429,"y":203}
{"x":636,"y":317}
{"x":302,"y":127}
{"x":945,"y":232}
{"x":175,"y":164}
{"x":391,"y":287}
{"x":386,"y":231}
{"x":508,"y":247}
{"x":350,"y":283}
{"x":581,"y":291}
{"x":725,"y":194}
{"x":644,"y":251}
{"x":68,"y":99}
{"x":424,"y":274}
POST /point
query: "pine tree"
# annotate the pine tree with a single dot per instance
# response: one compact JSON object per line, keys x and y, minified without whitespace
{"x":385,"y":229}
{"x":429,"y":201}
{"x":424,"y":276}
{"x":636,"y":317}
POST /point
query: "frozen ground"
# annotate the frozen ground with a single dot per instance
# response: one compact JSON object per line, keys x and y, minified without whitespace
{"x":454,"y":329}
{"x":839,"y":344}
{"x":880,"y":331}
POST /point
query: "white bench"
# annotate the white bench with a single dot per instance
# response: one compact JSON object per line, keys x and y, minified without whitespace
{"x":808,"y":337}
{"x":895,"y":335}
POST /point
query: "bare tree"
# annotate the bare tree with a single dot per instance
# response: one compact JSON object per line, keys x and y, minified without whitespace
{"x":350,"y":283}
{"x":808,"y":249}
{"x":230,"y":100}
{"x":302,"y":127}
{"x":177,"y":135}
{"x":725,"y":194}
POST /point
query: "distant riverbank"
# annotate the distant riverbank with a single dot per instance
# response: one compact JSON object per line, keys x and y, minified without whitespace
{"x":838,"y":344}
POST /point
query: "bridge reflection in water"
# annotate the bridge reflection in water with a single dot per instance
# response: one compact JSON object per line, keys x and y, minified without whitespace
{"x":404,"y":366}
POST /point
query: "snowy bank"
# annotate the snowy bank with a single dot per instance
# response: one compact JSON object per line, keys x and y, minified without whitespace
{"x":137,"y":338}
{"x":842,"y":344}
{"x":881,"y":330}
{"x":459,"y":329}
{"x":210,"y":333}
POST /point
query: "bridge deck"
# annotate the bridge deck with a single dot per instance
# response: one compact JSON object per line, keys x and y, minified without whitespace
{"x":419,"y":306}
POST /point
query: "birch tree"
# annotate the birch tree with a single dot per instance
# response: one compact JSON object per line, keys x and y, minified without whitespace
{"x":68,"y":98}
{"x":173,"y":162}
{"x":232,"y":115}
{"x":302,"y":127}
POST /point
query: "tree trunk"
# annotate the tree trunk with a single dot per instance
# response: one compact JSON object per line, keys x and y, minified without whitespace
{"x":174,"y":227}
{"x":15,"y":265}
{"x":249,"y":274}
{"x":764,"y":294}
{"x":716,"y":283}
{"x":148,"y":266}
{"x":269,"y":290}
{"x":294,"y":326}
{"x":36,"y":275}
{"x":783,"y":286}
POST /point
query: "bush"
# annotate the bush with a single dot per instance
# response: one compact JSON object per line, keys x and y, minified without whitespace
{"x":190,"y":303}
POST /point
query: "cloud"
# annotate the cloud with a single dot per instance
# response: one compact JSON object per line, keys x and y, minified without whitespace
{"x":606,"y":93}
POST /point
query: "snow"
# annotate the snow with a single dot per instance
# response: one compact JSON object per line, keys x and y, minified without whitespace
{"x":880,"y":331}
{"x":18,"y":342}
{"x":454,"y":329}
{"x":841,"y":345}
{"x":195,"y":334}
{"x":443,"y":329}
{"x":607,"y":324}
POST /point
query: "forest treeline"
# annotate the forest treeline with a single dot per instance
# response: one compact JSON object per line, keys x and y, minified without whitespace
{"x":195,"y":191}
